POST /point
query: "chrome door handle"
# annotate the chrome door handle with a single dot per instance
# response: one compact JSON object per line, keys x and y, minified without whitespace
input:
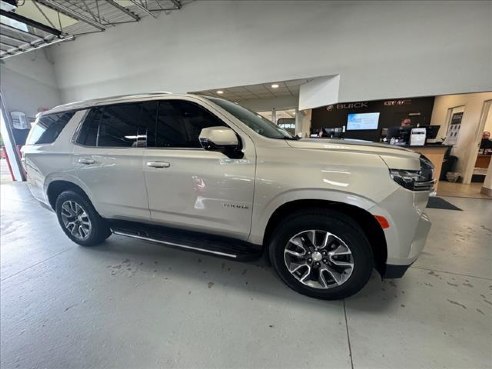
{"x":86,"y":161}
{"x":158,"y":164}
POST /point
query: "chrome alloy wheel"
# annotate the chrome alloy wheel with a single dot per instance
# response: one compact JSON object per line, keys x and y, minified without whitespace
{"x":76,"y":220}
{"x":319,"y":259}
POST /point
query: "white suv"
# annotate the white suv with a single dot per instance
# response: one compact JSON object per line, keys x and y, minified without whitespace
{"x":205,"y":174}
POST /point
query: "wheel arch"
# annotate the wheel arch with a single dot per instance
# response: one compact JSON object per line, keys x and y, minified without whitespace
{"x":56,"y":187}
{"x":364,"y":219}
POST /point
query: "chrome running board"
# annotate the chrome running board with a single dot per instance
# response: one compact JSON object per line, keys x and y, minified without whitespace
{"x":188,"y":240}
{"x":175,"y":244}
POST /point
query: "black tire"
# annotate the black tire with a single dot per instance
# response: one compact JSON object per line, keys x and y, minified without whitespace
{"x":98,"y":231}
{"x":346,"y":230}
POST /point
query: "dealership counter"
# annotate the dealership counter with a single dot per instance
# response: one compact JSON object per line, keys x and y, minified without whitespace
{"x":435,"y":153}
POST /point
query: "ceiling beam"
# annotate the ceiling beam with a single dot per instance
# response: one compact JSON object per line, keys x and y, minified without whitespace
{"x":13,"y":39}
{"x":123,"y":9}
{"x":177,"y":4}
{"x":101,"y":20}
{"x":30,"y":22}
{"x":8,"y":44}
{"x":70,"y":13}
{"x":21,"y":32}
{"x":143,"y":8}
{"x":19,"y":50}
{"x":23,"y":43}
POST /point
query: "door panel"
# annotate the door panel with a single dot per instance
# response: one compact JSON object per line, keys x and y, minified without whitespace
{"x":114,"y":176}
{"x":109,"y":157}
{"x":191,"y":188}
{"x":201,"y":190}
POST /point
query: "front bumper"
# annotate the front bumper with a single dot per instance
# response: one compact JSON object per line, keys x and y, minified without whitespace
{"x":416,"y":247}
{"x":395,"y":271}
{"x":409,"y":227}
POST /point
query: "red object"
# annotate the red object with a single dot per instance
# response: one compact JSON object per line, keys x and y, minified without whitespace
{"x":383,"y":222}
{"x":4,"y":153}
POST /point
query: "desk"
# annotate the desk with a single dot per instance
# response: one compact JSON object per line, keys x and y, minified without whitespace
{"x":482,"y":161}
{"x":435,"y":153}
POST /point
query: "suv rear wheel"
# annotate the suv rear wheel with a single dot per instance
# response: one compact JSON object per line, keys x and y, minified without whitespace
{"x":322,"y":254}
{"x":79,"y":220}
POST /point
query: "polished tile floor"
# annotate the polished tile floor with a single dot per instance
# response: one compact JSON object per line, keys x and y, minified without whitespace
{"x":130,"y":304}
{"x":471,"y":190}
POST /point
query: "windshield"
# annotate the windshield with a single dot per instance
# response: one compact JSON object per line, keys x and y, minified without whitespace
{"x":254,"y":121}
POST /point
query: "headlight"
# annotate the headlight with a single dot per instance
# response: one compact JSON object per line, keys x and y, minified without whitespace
{"x":415,"y":180}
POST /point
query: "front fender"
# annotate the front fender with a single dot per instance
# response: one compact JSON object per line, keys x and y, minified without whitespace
{"x":262,"y":216}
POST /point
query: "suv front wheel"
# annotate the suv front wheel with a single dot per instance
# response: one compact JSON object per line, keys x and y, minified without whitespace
{"x":79,"y":220}
{"x":322,"y":254}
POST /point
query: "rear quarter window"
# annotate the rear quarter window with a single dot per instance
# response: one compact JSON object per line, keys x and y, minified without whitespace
{"x":48,"y":127}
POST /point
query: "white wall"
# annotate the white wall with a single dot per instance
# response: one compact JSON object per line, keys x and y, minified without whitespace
{"x":487,"y":184}
{"x":28,"y":82}
{"x":488,"y":122}
{"x":466,"y":148}
{"x":319,"y":92}
{"x":380,"y":49}
{"x":279,"y":103}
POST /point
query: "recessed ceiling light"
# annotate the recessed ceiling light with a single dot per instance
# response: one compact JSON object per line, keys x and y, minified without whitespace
{"x":275,"y":85}
{"x":220,"y":92}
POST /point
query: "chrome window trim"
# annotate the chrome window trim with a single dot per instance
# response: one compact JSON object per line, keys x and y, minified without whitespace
{"x":76,"y":133}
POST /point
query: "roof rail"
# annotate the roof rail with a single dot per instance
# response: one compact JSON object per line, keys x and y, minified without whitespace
{"x":103,"y":101}
{"x":158,"y":93}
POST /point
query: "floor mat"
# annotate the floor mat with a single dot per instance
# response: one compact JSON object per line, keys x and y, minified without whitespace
{"x":439,"y":203}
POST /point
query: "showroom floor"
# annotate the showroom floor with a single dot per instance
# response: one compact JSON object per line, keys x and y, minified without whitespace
{"x":131,"y":304}
{"x":471,"y":190}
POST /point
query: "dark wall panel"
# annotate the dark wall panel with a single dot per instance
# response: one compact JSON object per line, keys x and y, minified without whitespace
{"x":392,"y":112}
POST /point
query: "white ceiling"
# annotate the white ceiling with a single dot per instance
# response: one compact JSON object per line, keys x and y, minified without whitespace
{"x":259,"y":91}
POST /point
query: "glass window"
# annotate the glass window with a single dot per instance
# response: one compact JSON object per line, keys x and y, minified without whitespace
{"x":254,"y":121}
{"x":48,"y":128}
{"x":125,"y":125}
{"x":88,"y":132}
{"x":180,"y":122}
{"x":122,"y":125}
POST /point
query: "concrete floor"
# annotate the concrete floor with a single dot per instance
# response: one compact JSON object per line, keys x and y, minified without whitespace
{"x":131,"y":304}
{"x":5,"y":175}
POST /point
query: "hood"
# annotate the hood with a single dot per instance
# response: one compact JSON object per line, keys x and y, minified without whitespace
{"x":395,"y":157}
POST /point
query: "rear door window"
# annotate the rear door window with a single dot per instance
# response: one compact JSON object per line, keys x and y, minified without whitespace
{"x":48,"y":128}
{"x":122,"y":125}
{"x":88,"y":133}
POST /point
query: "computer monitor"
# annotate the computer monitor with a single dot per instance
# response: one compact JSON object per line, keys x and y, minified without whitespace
{"x":400,"y":134}
{"x":333,"y":132}
{"x":362,"y":121}
{"x":432,"y":132}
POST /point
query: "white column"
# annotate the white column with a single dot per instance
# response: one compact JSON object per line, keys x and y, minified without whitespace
{"x":303,"y":122}
{"x":487,"y":184}
{"x":8,"y":139}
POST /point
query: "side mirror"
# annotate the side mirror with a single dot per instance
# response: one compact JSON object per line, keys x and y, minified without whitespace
{"x":221,"y":139}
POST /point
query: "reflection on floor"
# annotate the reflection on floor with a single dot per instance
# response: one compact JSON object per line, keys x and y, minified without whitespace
{"x":4,"y":171}
{"x":461,"y":190}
